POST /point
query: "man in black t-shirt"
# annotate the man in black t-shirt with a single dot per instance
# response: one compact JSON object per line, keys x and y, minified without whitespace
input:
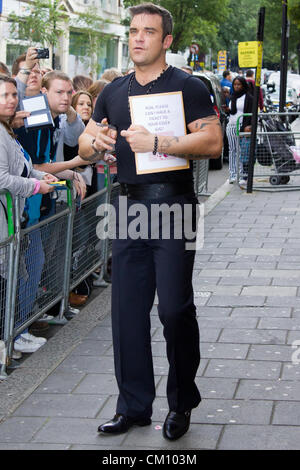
{"x":142,"y":265}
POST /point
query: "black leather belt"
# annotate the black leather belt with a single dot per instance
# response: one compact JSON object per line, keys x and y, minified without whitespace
{"x":155,"y":191}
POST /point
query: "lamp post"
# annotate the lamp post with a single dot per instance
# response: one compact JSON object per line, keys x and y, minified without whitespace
{"x":284,"y":56}
{"x":54,"y":30}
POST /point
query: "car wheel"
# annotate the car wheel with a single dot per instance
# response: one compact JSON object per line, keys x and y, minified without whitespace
{"x":274,"y":180}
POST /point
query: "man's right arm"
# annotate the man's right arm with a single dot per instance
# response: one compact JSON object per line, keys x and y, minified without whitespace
{"x":96,"y":141}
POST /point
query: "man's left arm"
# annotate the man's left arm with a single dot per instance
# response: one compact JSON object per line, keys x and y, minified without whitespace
{"x":204,"y":141}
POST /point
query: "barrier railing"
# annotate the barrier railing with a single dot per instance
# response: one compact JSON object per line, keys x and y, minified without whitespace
{"x":45,"y":261}
{"x":277,"y":152}
{"x":6,"y":278}
{"x":200,"y":172}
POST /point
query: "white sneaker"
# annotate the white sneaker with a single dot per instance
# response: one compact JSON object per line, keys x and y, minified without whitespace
{"x":25,"y":346}
{"x":45,"y":317}
{"x":232,"y":180}
{"x":243,"y":184}
{"x":16,"y":354}
{"x":34,"y":339}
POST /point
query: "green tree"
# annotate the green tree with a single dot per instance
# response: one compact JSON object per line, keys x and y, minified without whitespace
{"x":193,"y":20}
{"x":240,"y":25}
{"x":272,"y":43}
{"x":40,"y":23}
{"x":90,"y":38}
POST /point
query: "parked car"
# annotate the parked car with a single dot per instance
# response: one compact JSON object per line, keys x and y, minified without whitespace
{"x":293,"y":81}
{"x":272,"y":98}
{"x":214,"y":88}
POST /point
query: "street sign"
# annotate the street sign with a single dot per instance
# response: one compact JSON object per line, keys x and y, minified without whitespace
{"x":222,"y":60}
{"x":259,"y":63}
{"x":194,"y":48}
{"x":248,"y":53}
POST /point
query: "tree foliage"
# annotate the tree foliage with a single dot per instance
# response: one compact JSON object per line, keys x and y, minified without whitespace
{"x":40,"y":23}
{"x":193,"y":20}
{"x":90,"y":38}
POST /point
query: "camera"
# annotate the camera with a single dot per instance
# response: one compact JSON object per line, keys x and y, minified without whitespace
{"x":42,"y":53}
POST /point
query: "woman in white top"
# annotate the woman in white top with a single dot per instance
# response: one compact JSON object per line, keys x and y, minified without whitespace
{"x":240,"y":103}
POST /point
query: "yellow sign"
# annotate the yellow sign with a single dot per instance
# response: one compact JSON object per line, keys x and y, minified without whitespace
{"x":222,"y":59}
{"x":259,"y":63}
{"x":249,"y":53}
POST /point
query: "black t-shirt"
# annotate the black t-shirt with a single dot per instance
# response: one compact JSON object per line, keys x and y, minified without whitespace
{"x":113,"y":104}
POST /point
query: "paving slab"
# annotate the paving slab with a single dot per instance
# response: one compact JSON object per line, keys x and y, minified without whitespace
{"x":247,"y":437}
{"x":247,"y":295}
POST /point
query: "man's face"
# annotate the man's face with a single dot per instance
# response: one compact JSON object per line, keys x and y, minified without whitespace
{"x":146,"y":44}
{"x":59,"y":96}
{"x":34,"y":82}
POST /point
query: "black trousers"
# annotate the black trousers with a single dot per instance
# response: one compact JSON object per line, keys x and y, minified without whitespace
{"x":139,"y":267}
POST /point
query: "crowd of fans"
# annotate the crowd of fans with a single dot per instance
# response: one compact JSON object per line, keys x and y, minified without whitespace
{"x":30,"y":160}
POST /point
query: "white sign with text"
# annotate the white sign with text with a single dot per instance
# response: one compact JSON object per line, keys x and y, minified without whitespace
{"x":160,"y":114}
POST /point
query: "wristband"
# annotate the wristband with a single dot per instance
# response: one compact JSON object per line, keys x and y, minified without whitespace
{"x":37,"y":186}
{"x":155,"y":145}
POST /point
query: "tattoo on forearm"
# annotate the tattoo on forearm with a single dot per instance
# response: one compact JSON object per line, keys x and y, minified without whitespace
{"x":202,"y":123}
{"x":166,"y":143}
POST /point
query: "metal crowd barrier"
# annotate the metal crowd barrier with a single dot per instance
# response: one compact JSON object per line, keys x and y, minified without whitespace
{"x":41,"y":264}
{"x":44,"y":262}
{"x":88,"y":251}
{"x":6,"y":281}
{"x":277,"y":152}
{"x":200,"y":171}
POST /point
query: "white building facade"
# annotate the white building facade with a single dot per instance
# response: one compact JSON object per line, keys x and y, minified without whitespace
{"x":70,"y":52}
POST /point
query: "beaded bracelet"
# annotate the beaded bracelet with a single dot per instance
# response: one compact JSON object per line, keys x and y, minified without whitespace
{"x":155,"y":145}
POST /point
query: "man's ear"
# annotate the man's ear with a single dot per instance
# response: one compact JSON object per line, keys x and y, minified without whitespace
{"x":167,"y":41}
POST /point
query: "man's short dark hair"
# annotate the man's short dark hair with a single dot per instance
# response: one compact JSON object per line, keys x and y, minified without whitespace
{"x":151,"y":9}
{"x":4,"y":69}
{"x":226,"y":73}
{"x":249,"y":73}
{"x":16,"y":65}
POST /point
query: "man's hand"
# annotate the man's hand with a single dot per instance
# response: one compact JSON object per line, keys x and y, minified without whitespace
{"x":31,"y":58}
{"x":105,"y":138}
{"x":30,"y":61}
{"x":139,"y":139}
{"x":50,"y":178}
{"x":18,"y":120}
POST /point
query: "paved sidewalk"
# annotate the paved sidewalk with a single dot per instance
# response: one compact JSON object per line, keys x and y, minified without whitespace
{"x":247,"y":294}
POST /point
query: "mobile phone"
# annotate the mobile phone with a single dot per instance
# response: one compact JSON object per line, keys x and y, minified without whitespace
{"x":59,"y":184}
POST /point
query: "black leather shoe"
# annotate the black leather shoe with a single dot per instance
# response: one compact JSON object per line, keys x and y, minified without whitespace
{"x":121,"y":423}
{"x":176,"y":424}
